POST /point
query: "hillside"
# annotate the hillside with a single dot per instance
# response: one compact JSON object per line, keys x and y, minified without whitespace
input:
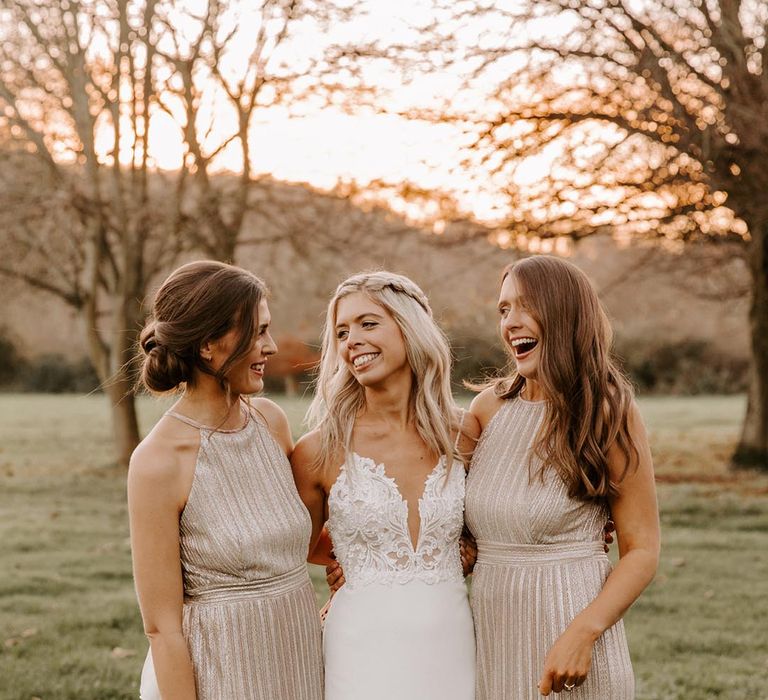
{"x":322,"y":238}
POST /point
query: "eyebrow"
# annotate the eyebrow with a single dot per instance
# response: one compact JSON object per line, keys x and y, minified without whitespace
{"x":513,"y":300}
{"x":361,"y":316}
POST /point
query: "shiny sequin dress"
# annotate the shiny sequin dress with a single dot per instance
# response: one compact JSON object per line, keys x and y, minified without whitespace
{"x":400,"y":628}
{"x":540,"y":562}
{"x":250,"y":616}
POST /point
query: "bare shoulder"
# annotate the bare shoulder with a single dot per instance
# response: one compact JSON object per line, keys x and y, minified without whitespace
{"x":469,"y":426}
{"x":624,"y":467}
{"x":485,"y":405}
{"x":276,"y":421}
{"x":307,"y":449}
{"x":635,"y":418}
{"x":163,"y":463}
{"x":153,"y":460}
{"x":308,"y":467}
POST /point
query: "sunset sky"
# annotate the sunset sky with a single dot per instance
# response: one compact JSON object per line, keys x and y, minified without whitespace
{"x":326,"y":144}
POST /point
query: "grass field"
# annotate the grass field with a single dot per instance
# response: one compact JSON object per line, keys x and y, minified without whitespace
{"x":70,"y":629}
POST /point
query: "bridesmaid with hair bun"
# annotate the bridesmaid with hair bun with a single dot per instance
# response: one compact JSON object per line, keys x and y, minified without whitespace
{"x":218,"y":532}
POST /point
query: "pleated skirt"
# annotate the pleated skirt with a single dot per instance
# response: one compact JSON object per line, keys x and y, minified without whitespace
{"x":521,"y":608}
{"x":252,"y":647}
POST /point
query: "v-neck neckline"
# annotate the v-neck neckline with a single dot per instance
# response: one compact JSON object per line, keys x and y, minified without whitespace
{"x":414,"y":547}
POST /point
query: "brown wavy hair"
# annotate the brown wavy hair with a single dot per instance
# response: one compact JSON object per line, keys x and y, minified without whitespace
{"x":589,"y":397}
{"x":199,"y":302}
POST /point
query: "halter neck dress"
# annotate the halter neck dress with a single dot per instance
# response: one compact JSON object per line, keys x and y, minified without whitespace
{"x":540,"y":562}
{"x":250,"y":616}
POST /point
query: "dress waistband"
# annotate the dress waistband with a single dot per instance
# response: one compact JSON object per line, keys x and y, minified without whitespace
{"x":536,"y":554}
{"x":257,"y":588}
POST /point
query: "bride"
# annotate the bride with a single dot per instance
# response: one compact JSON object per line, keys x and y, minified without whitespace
{"x":383,"y":466}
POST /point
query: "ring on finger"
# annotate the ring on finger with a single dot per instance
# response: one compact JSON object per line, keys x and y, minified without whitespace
{"x":568,"y":687}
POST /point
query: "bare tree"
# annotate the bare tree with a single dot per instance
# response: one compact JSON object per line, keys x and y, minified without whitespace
{"x":225,"y":67}
{"x":650,"y":119}
{"x":86,"y":219}
{"x":86,"y":213}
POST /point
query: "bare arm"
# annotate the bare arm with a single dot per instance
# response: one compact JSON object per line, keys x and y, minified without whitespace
{"x":309,"y":482}
{"x":469,"y":435}
{"x":156,"y":495}
{"x":635,"y":512}
{"x":466,"y":442}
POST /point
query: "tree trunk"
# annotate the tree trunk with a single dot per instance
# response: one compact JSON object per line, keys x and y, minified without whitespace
{"x":752,"y":450}
{"x":125,"y":424}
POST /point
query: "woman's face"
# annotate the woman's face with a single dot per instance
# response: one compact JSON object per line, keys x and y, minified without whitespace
{"x":369,"y":341}
{"x":247,"y":375}
{"x":519,"y":329}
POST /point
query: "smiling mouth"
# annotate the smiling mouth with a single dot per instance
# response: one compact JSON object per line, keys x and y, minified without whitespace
{"x":363,"y":360}
{"x":258,"y":367}
{"x":523,"y":346}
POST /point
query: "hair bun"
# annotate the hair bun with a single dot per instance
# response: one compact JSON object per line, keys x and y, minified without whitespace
{"x":163,"y":370}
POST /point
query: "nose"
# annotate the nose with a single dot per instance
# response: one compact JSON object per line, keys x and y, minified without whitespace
{"x":270,"y":347}
{"x":511,"y":321}
{"x":353,"y":339}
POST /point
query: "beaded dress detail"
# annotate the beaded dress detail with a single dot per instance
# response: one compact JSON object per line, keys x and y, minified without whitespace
{"x":250,"y":615}
{"x":540,"y":562}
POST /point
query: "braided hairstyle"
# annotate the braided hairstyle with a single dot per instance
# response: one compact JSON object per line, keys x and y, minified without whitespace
{"x":199,"y":302}
{"x":338,"y":395}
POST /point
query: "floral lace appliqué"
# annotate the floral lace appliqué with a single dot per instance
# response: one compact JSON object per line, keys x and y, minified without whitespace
{"x":368,"y":523}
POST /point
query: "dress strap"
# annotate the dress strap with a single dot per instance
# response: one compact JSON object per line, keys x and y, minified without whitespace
{"x":185,"y":419}
{"x":190,"y":421}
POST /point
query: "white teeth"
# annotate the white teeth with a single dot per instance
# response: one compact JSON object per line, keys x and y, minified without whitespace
{"x":364,"y":359}
{"x":520,"y":341}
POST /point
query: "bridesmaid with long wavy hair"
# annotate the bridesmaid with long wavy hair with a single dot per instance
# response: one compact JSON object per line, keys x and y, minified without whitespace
{"x":563,"y":445}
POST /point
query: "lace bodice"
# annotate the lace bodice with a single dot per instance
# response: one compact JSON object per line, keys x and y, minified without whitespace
{"x":368,"y":522}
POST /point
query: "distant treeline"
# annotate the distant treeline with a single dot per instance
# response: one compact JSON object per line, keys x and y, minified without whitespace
{"x":684,"y":368}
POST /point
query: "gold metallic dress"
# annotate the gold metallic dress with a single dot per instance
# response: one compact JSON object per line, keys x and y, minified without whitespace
{"x":540,"y":562}
{"x":250,"y":617}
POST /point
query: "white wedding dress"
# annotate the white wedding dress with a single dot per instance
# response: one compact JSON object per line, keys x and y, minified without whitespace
{"x":401,"y":626}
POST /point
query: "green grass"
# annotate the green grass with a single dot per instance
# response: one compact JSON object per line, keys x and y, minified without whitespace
{"x":69,"y":625}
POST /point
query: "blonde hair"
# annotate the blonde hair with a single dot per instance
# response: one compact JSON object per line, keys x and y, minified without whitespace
{"x":588,"y":395}
{"x":339,"y":397}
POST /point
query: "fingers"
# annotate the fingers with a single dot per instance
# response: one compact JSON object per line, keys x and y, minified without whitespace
{"x":554,"y":682}
{"x":545,"y":684}
{"x":571,"y":683}
{"x":334,"y":576}
{"x":609,"y":528}
{"x":468,"y":552}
